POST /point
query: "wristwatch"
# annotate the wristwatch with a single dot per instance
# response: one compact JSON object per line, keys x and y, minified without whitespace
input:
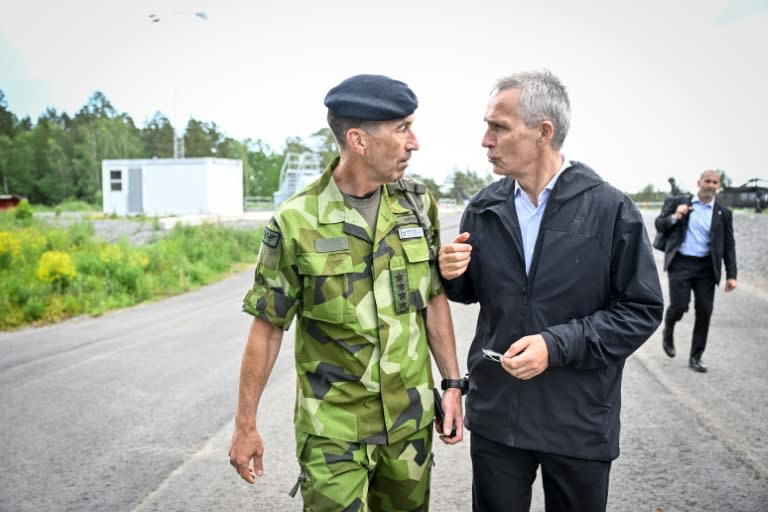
{"x":462,"y":384}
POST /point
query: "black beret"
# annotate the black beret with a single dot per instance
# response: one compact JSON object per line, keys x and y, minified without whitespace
{"x":371,"y":98}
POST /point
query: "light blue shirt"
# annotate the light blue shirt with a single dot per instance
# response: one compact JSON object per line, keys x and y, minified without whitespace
{"x":696,"y":241}
{"x":529,"y":216}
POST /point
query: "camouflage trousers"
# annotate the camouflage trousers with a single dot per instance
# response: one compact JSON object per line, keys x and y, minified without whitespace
{"x":359,"y":477}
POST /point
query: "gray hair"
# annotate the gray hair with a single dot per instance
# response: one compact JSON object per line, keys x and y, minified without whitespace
{"x":713,"y":171}
{"x":542,"y":98}
{"x":341,"y":125}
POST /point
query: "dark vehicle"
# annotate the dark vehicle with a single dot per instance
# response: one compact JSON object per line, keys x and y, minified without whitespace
{"x":752,"y":194}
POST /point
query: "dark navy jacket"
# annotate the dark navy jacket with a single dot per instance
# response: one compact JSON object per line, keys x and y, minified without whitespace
{"x":593,"y":292}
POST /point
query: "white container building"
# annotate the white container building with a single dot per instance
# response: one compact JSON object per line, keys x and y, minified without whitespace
{"x":170,"y":186}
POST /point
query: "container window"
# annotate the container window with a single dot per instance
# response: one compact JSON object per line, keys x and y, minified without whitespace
{"x":116,"y":180}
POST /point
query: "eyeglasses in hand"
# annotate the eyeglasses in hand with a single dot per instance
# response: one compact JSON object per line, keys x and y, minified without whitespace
{"x":492,"y":355}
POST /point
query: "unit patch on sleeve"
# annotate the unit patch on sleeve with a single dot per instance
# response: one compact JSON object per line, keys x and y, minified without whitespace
{"x":271,"y":238}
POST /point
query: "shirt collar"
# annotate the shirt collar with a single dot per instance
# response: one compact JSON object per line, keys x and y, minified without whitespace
{"x":549,"y":186}
{"x":696,"y":200}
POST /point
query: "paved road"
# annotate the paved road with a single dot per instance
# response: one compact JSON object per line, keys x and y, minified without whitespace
{"x":132,"y":412}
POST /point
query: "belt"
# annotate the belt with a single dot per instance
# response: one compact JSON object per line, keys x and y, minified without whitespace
{"x":694,"y":258}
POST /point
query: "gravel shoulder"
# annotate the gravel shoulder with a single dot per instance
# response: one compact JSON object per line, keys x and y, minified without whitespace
{"x":141,"y":231}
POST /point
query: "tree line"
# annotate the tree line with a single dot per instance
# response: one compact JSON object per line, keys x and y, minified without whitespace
{"x":58,"y":157}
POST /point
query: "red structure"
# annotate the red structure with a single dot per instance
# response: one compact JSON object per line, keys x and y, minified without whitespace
{"x":8,"y":201}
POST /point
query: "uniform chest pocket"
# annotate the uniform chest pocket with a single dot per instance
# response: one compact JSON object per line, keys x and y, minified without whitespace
{"x":415,"y":272}
{"x":327,"y":288}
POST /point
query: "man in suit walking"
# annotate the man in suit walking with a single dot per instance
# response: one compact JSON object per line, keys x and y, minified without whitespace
{"x":699,"y":239}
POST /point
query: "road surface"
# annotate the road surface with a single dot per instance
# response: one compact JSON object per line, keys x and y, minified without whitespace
{"x":133,"y":411}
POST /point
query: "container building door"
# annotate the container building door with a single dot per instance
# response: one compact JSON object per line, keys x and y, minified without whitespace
{"x":135,"y":196}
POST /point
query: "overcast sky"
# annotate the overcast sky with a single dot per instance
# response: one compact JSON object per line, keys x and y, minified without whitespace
{"x":658,"y":88}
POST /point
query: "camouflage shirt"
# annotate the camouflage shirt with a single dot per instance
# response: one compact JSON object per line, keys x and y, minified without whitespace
{"x":362,"y":359}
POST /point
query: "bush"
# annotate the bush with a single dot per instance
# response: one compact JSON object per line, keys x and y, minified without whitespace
{"x":81,"y":232}
{"x":33,"y":243}
{"x":16,"y":292}
{"x":34,"y":310}
{"x":9,"y":248}
{"x":51,"y":273}
{"x":23,"y":212}
{"x":55,"y":267}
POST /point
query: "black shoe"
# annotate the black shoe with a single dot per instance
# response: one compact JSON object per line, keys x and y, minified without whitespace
{"x":667,"y":343}
{"x":697,"y":365}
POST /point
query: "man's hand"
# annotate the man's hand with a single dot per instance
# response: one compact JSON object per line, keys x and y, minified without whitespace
{"x":453,"y":417}
{"x":246,"y":445}
{"x":730,"y":285}
{"x":681,"y":211}
{"x":527,"y":357}
{"x":454,"y":257}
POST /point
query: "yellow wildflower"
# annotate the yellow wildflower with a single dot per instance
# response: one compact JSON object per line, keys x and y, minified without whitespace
{"x":55,"y":266}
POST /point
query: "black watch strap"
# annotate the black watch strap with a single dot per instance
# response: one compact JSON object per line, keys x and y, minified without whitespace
{"x":461,"y":384}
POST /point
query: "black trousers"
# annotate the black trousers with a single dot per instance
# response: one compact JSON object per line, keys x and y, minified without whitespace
{"x":686,"y":274}
{"x":502,"y":479}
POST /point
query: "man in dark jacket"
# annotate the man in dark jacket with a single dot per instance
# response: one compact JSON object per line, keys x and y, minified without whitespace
{"x":564,"y":273}
{"x":699,"y":238}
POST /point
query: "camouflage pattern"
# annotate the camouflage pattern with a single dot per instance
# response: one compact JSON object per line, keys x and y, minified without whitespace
{"x":362,"y":360}
{"x":335,"y":474}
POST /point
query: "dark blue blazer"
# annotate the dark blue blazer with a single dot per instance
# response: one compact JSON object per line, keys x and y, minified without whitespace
{"x":722,"y":247}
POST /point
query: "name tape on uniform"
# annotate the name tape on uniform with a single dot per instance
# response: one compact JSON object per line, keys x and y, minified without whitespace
{"x":406,"y":233}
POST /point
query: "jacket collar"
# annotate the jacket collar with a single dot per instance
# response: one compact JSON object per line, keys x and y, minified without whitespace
{"x":330,"y":201}
{"x":574,"y":180}
{"x":499,"y":197}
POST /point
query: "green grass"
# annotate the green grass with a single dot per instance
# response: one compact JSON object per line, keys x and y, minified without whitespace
{"x":72,"y":205}
{"x":50,"y":273}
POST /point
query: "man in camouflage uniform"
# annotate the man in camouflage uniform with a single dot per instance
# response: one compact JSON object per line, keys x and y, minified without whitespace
{"x":352,"y":256}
